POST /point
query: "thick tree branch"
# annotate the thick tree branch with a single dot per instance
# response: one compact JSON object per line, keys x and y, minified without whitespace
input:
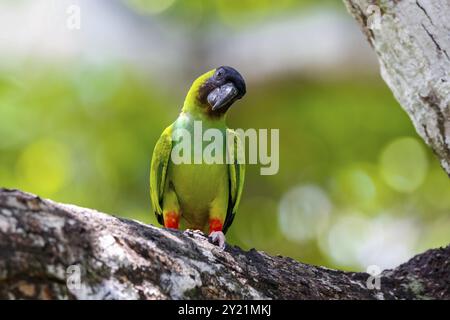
{"x":122,"y":259}
{"x":412,"y":41}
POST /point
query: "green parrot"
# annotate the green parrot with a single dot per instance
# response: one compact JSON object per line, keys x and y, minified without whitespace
{"x":200,"y":196}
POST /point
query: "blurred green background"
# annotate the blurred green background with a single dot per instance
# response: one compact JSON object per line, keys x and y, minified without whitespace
{"x":81,"y":110}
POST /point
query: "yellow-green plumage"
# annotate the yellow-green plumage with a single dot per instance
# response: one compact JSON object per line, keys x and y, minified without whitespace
{"x":196,"y":192}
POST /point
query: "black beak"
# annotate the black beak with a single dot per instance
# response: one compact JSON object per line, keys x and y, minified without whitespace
{"x":222,"y":96}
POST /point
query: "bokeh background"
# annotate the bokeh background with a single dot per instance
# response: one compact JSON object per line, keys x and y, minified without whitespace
{"x":81,"y":110}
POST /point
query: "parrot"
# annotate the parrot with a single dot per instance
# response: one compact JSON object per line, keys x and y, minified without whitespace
{"x":203,"y":197}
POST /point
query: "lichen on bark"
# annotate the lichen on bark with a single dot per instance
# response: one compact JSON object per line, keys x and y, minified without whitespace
{"x":412,"y":42}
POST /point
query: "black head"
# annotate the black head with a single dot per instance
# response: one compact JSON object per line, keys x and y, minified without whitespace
{"x":222,"y":89}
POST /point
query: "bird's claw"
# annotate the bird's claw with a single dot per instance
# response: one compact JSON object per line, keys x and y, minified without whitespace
{"x":200,"y":232}
{"x":218,"y":238}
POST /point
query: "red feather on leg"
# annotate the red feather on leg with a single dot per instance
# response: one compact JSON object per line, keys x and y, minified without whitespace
{"x":171,"y":220}
{"x":215,"y":225}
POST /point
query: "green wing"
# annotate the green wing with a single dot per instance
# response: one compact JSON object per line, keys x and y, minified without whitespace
{"x":236,"y":174}
{"x":158,"y":171}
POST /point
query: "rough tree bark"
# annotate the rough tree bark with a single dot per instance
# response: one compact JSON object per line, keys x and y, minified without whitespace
{"x":122,"y":259}
{"x":412,"y":41}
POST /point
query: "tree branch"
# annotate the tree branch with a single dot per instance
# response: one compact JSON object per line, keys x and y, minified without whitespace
{"x":122,"y":259}
{"x":412,"y":41}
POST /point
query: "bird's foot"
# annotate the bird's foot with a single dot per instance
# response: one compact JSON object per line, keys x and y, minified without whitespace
{"x":194,"y":232}
{"x":218,"y":238}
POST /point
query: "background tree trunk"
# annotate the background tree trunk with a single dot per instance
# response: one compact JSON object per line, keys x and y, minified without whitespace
{"x":42,"y":242}
{"x":412,"y":41}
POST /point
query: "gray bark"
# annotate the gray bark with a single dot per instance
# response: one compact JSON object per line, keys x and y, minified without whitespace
{"x":121,"y":259}
{"x":412,"y":41}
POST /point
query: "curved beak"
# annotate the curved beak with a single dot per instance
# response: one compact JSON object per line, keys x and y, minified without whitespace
{"x":222,"y":96}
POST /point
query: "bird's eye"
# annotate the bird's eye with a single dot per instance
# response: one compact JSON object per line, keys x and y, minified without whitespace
{"x":219,"y":73}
